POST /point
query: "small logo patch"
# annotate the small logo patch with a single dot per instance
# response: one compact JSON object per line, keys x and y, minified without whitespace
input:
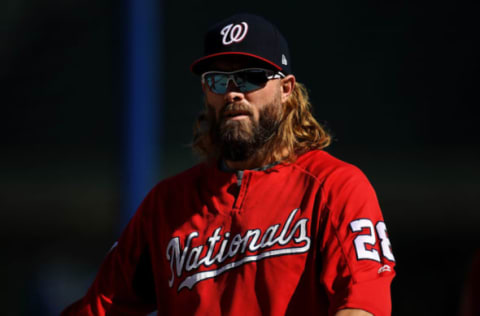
{"x":385,"y":268}
{"x":284,"y":60}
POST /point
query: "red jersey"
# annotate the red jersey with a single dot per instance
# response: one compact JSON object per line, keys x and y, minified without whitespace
{"x":300,"y":238}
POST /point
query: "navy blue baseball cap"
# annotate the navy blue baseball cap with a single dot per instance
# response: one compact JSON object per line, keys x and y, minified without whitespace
{"x":246,"y":35}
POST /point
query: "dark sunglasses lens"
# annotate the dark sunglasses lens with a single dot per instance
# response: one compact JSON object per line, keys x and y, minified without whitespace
{"x":250,"y":80}
{"x":254,"y":76}
{"x":245,"y":81}
{"x":217,"y":82}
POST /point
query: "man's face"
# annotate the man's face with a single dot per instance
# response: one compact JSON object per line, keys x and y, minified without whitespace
{"x":244,"y":121}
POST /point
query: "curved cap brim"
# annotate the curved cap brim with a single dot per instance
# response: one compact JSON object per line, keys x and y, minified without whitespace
{"x":203,"y":64}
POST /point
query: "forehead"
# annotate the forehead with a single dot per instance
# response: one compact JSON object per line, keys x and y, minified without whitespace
{"x":236,"y":62}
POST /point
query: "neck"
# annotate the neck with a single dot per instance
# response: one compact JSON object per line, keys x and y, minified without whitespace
{"x":258,"y":160}
{"x":243,"y":165}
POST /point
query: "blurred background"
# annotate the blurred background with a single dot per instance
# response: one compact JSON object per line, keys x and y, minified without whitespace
{"x":97,"y":104}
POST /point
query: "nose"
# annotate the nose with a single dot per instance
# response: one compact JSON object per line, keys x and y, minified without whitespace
{"x":233,"y":94}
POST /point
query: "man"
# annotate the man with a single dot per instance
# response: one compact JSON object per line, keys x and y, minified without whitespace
{"x":269,"y":223}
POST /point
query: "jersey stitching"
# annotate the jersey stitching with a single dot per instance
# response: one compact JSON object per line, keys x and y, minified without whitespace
{"x":334,"y":219}
{"x":307,"y":172}
{"x":341,"y":245}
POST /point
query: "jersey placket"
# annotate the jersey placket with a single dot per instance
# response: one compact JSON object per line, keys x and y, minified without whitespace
{"x":245,"y":181}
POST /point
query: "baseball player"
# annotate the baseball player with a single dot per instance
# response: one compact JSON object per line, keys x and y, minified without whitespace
{"x":269,"y":223}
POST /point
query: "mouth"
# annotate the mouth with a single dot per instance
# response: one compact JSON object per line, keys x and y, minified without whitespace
{"x":236,"y":115}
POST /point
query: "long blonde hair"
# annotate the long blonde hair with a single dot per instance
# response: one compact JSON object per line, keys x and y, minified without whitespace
{"x":298,"y":131}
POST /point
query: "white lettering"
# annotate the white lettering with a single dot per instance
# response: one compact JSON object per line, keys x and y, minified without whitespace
{"x":194,"y":255}
{"x":235,"y":245}
{"x":174,"y":245}
{"x":268,"y":236}
{"x":253,"y":240}
{"x":255,"y":234}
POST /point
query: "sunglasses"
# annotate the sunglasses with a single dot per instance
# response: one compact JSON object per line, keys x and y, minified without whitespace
{"x":246,"y":80}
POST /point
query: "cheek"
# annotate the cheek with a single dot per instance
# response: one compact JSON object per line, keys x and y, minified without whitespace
{"x":264,"y":98}
{"x":256,"y":115}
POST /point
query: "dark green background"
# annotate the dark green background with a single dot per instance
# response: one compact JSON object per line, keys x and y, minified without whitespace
{"x":396,"y":83}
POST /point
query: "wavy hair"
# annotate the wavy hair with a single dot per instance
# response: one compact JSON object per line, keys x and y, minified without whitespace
{"x":298,"y":131}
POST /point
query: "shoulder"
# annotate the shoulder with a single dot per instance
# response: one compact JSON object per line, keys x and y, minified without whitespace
{"x":185,"y":178}
{"x":176,"y":188}
{"x":342,"y":183}
{"x":173,"y":196}
{"x":327,"y":168}
{"x":336,"y":177}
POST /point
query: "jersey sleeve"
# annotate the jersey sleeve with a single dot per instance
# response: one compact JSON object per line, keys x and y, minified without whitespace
{"x":120,"y":287}
{"x":357,"y":260}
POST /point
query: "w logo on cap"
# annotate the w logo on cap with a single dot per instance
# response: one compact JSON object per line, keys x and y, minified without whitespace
{"x":234,"y":33}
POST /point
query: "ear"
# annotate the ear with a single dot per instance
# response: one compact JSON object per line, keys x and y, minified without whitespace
{"x":287,"y":85}
{"x":204,"y":87}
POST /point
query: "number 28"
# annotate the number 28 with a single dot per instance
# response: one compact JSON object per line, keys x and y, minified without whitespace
{"x":361,"y":241}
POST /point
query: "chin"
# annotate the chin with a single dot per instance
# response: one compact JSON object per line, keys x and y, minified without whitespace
{"x":237,"y":130}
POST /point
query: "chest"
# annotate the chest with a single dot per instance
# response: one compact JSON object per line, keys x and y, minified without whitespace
{"x":255,"y":224}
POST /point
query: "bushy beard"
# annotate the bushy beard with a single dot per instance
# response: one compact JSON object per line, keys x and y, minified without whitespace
{"x":239,"y":140}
